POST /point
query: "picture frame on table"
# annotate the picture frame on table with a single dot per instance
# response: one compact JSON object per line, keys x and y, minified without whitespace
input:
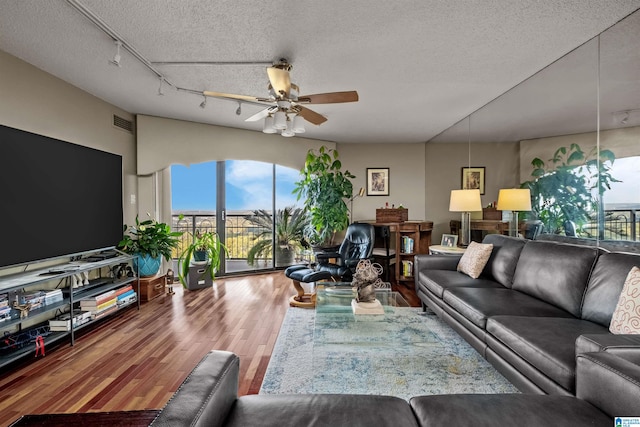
{"x":449,"y":240}
{"x":377,"y":181}
{"x":473,"y":178}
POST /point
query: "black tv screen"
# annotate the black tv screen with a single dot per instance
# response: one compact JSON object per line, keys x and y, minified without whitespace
{"x":56,"y":198}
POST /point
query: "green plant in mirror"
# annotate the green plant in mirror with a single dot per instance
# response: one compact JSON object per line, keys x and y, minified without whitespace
{"x":569,"y":187}
{"x":207,"y":242}
{"x":149,"y":237}
{"x":324,"y":188}
{"x":290,"y":225}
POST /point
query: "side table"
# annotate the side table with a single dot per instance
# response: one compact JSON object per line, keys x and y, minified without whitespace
{"x":445,"y":250}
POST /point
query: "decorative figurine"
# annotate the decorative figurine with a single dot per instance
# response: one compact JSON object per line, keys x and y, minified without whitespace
{"x":366,"y":280}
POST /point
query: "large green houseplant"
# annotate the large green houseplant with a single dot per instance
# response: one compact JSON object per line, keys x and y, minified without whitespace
{"x":290,"y":226}
{"x":325,"y":189}
{"x":569,"y":187}
{"x":206,"y":249}
{"x":150,"y":241}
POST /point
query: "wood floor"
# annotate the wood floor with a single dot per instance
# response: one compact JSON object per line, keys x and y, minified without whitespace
{"x":137,"y":359}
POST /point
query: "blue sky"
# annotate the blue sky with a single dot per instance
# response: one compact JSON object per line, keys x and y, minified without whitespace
{"x":248,"y":186}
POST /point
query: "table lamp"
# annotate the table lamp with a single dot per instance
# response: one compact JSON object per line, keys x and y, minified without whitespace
{"x":465,"y":201}
{"x":515,"y":200}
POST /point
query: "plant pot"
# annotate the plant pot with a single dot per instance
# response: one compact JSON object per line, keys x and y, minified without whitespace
{"x":200,"y":257}
{"x":284,"y":256}
{"x":146,"y":265}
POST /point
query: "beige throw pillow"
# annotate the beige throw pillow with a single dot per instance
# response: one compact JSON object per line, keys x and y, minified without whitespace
{"x":626,"y":316}
{"x":474,"y":259}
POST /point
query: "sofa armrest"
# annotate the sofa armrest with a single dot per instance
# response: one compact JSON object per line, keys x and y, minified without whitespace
{"x":609,"y":382}
{"x":435,"y":262}
{"x":206,"y":396}
{"x":625,"y":346}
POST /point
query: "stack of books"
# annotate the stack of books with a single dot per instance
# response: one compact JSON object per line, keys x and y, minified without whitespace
{"x":407,"y":245}
{"x":52,"y":296}
{"x":36,"y":299}
{"x":407,"y":268}
{"x":126,"y":295}
{"x":108,"y":302}
{"x":62,"y":323}
{"x":5,"y":310}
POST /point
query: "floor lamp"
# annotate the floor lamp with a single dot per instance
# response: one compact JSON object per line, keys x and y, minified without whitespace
{"x":360,"y":194}
{"x":465,"y":201}
{"x":515,"y":200}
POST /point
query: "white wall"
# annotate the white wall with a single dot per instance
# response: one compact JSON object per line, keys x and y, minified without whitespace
{"x":37,"y":102}
{"x":406,"y":176}
{"x":444,"y":163}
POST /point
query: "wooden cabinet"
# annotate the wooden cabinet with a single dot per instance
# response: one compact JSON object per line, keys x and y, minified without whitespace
{"x":151,"y":287}
{"x":410,"y":238}
{"x":480,"y":227}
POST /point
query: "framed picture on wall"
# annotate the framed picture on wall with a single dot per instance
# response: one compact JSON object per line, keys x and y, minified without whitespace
{"x":377,"y":181}
{"x":473,"y":178}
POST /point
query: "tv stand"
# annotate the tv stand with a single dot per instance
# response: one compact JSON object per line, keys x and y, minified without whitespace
{"x":54,"y":293}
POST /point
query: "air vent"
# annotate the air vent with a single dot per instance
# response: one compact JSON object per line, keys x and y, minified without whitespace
{"x":121,"y":123}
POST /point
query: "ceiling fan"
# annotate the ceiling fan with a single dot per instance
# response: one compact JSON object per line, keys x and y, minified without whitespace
{"x":286,"y":110}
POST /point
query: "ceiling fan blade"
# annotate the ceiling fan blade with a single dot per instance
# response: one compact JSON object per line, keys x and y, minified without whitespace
{"x":235,"y":97}
{"x":311,"y":116}
{"x":261,"y":114}
{"x":329,"y":98}
{"x":280,"y":81}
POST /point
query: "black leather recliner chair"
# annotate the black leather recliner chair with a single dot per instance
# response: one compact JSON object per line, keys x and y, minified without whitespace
{"x":357,"y":245}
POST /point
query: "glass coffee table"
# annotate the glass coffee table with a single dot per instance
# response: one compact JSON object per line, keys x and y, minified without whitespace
{"x":365,"y":347}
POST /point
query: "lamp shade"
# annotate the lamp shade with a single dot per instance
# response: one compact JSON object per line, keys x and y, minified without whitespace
{"x":514,"y":199}
{"x":465,"y":201}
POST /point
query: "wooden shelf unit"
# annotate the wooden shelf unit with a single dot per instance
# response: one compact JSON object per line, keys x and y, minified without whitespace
{"x":420,"y":232}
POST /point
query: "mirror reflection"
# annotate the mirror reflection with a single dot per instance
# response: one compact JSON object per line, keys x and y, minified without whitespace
{"x":576,"y":129}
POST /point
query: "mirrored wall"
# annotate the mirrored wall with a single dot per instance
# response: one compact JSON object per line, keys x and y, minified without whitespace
{"x":576,"y":124}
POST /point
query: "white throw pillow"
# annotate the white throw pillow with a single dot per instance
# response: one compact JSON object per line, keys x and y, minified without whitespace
{"x":474,"y":259}
{"x":626,"y":316}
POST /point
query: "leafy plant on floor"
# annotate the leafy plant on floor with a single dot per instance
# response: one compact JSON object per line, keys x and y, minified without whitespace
{"x":325,"y":189}
{"x":569,"y":187}
{"x":207,"y":242}
{"x":289,"y":234}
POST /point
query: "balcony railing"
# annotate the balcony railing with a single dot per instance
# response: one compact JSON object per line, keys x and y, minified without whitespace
{"x":618,"y":224}
{"x":240,"y":233}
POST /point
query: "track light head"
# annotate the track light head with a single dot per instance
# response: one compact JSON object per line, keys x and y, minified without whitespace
{"x":160,"y":92}
{"x":239,"y":109}
{"x":203,"y":103}
{"x":116,"y":58}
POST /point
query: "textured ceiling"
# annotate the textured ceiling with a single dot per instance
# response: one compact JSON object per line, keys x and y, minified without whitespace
{"x":419,"y":66}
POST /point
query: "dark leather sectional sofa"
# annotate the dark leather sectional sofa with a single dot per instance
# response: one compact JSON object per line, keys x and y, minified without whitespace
{"x":536,"y":306}
{"x":608,"y":387}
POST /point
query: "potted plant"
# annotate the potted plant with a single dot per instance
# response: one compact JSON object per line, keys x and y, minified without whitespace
{"x":289,"y":235}
{"x":206,"y":250}
{"x":150,"y":241}
{"x":324,"y":188}
{"x":568,"y":188}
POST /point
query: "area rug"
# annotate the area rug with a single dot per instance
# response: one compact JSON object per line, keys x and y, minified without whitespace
{"x":439,"y":364}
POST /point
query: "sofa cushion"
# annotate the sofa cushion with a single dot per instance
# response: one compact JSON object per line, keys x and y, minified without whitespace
{"x":474,"y":259}
{"x":547,"y":343}
{"x":439,"y":280}
{"x":555,"y":273}
{"x":320,"y":410}
{"x":478,"y":304}
{"x":491,"y":410}
{"x":504,"y":257}
{"x":626,"y":316}
{"x":605,"y":285}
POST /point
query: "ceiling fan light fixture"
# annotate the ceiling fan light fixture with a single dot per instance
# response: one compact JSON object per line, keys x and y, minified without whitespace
{"x":284,"y":105}
{"x":298,"y":124}
{"x":280,"y":120}
{"x":268,"y":125}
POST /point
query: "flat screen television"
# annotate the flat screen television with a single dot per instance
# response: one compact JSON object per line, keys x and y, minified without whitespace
{"x":56,"y":198}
